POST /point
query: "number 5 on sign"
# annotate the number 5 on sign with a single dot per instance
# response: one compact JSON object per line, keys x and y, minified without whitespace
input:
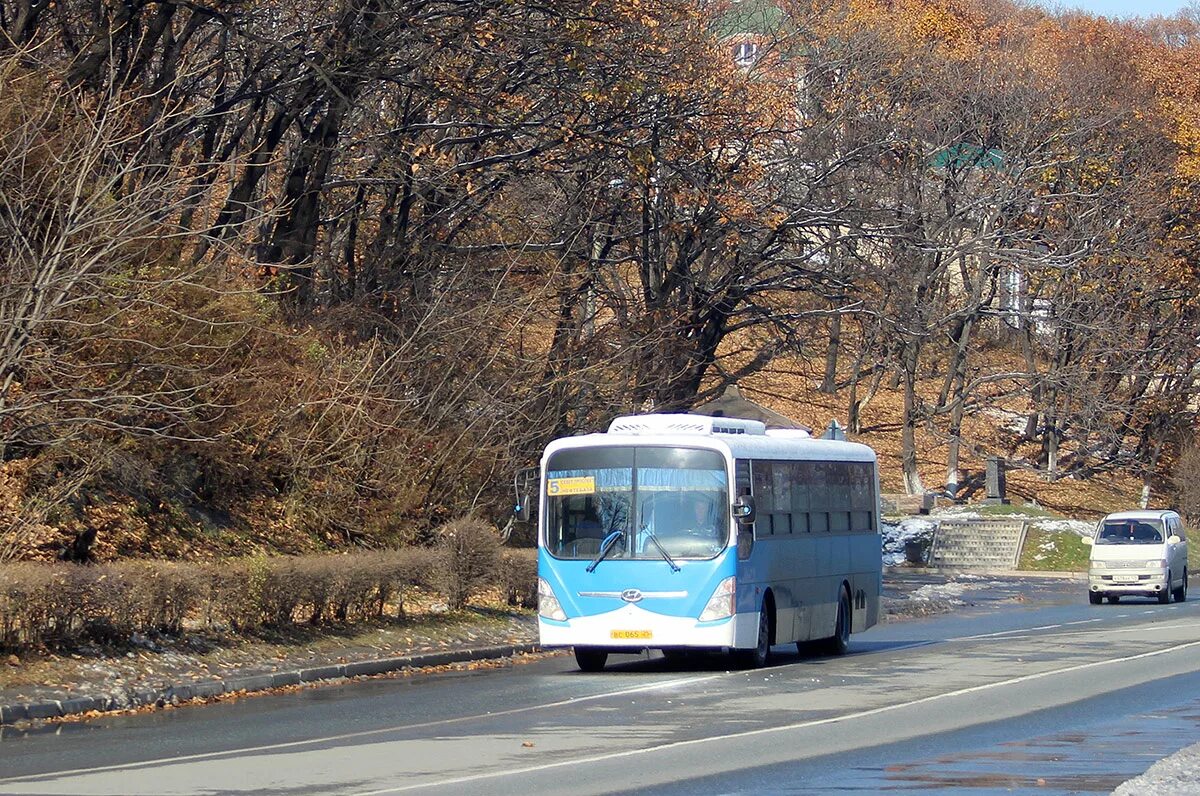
{"x":585,"y":485}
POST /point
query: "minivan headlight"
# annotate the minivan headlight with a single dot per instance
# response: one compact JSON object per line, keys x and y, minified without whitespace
{"x":721,"y":604}
{"x":1159,"y":564}
{"x":1099,"y":565}
{"x":548,"y":605}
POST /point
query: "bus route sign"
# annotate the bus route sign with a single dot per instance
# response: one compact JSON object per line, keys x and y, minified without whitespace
{"x":582,"y":485}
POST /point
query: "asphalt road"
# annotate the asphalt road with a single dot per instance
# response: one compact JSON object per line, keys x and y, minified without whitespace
{"x":1030,"y":689}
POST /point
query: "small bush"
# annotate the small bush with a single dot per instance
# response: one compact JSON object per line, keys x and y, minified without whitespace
{"x":33,"y":603}
{"x":468,"y":558}
{"x":518,"y":577}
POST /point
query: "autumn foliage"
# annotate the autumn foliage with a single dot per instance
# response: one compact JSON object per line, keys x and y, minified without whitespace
{"x":296,"y":276}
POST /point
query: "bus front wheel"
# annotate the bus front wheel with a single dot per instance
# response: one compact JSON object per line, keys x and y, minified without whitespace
{"x":757,"y":658}
{"x":590,"y":659}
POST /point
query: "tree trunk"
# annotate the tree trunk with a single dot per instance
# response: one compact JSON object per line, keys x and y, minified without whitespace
{"x":1050,"y":441}
{"x":908,"y":436}
{"x":829,"y":385}
{"x":955,"y":446}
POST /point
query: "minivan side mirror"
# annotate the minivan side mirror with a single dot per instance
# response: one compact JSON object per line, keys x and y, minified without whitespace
{"x":743,"y":509}
{"x":1089,"y":541}
{"x":1173,"y":539}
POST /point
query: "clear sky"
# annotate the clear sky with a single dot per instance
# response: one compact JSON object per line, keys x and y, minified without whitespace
{"x":1120,"y":8}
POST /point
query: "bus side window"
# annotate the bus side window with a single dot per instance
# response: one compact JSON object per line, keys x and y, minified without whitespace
{"x":763,"y":477}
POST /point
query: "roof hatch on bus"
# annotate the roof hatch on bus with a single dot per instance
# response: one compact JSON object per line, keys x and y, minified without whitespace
{"x":651,"y":425}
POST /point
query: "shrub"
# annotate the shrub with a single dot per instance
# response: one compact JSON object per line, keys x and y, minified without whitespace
{"x":32,"y":602}
{"x":518,"y":577}
{"x":468,"y":558}
{"x":1187,"y":483}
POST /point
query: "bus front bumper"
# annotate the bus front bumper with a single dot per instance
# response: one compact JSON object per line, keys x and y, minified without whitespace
{"x":631,"y":627}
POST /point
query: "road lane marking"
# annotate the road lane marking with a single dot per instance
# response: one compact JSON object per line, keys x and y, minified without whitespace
{"x":1011,"y":632}
{"x":783,"y":728}
{"x":361,"y":733}
{"x":1016,"y":634}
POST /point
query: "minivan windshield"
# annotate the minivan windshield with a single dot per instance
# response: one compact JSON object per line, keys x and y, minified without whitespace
{"x":1130,"y":532}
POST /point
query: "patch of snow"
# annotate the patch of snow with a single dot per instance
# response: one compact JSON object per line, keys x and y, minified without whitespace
{"x":1013,"y":422}
{"x":958,"y":513}
{"x":940,"y":591}
{"x":1080,"y":527}
{"x":897,"y":534}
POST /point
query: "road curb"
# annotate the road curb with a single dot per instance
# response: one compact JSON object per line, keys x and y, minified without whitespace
{"x":174,"y":694}
{"x":1032,"y":574}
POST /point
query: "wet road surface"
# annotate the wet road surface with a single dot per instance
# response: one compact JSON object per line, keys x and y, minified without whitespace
{"x":1024,"y":682}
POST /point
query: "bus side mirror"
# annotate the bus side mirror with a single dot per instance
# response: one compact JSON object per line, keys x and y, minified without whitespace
{"x":522,"y":509}
{"x":743,"y":509}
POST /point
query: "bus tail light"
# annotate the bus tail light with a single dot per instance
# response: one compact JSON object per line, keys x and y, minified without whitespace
{"x":548,"y":605}
{"x":721,"y":604}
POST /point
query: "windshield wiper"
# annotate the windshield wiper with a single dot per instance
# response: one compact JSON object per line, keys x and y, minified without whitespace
{"x":606,"y":546}
{"x":666,"y":556}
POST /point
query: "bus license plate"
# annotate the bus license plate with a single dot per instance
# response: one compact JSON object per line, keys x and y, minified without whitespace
{"x":626,"y":634}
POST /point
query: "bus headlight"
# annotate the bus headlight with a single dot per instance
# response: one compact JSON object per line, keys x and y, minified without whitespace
{"x":548,"y":605}
{"x":721,"y":604}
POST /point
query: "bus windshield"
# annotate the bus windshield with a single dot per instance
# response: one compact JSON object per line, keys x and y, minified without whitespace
{"x":677,"y":497}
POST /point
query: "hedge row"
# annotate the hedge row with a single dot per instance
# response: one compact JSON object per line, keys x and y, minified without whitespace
{"x":61,"y":604}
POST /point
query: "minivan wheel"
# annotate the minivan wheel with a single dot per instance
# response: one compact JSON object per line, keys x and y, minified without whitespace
{"x":1181,"y":592}
{"x":1095,"y":597}
{"x":1114,"y":598}
{"x":1164,"y":596}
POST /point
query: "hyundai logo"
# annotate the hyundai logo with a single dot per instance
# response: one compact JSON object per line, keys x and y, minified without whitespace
{"x":632,"y":595}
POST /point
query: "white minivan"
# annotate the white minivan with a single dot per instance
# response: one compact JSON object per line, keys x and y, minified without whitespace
{"x":1142,"y":553}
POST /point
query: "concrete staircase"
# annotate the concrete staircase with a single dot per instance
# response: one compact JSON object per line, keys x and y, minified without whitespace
{"x":977,"y":544}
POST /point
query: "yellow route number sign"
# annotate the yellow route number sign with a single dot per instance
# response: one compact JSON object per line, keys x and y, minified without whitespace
{"x":581,"y":485}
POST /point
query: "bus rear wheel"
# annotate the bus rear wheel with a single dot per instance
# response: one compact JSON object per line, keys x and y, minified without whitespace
{"x":590,"y":659}
{"x":839,"y":642}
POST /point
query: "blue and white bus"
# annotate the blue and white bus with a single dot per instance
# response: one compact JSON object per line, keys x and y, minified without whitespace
{"x":687,"y":532}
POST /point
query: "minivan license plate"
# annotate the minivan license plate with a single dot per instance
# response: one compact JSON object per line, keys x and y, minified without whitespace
{"x":1125,"y":578}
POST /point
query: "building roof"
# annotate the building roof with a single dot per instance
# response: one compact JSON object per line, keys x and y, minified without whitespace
{"x":756,"y":17}
{"x":732,"y":404}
